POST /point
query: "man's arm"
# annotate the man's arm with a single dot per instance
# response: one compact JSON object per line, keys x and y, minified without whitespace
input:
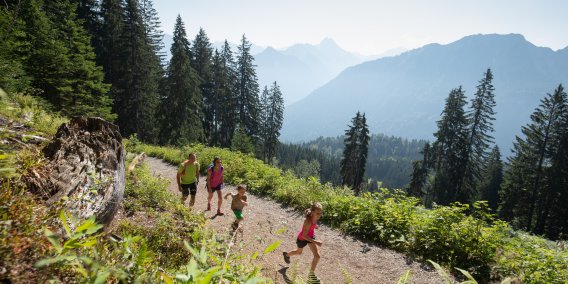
{"x":197,"y":173}
{"x":178,"y":176}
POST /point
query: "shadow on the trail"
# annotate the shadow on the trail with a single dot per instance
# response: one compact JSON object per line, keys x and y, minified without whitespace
{"x":283,"y":271}
{"x":215,"y":216}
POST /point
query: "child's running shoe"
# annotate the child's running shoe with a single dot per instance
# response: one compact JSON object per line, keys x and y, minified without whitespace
{"x":286,"y":257}
{"x":208,"y":207}
{"x":220,"y":213}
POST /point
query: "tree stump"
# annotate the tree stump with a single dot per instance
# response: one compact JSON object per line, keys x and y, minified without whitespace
{"x":85,"y":169}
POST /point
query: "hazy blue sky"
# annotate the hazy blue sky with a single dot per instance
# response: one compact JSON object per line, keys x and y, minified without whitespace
{"x":368,"y":26}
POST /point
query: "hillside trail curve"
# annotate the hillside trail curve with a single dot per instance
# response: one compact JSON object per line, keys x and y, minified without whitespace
{"x":343,"y":258}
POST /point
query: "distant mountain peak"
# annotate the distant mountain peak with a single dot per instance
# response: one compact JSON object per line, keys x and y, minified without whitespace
{"x":270,"y":49}
{"x":511,"y":36}
{"x":509,"y":39}
{"x":328,"y":41}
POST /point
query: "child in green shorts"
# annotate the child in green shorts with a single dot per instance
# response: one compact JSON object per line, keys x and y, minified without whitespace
{"x":238,"y":203}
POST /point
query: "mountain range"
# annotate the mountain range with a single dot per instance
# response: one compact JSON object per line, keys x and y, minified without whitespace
{"x":302,"y":68}
{"x":404,"y":95}
{"x":298,"y":69}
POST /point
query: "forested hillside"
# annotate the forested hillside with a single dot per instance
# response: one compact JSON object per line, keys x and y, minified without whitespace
{"x":389,"y":160}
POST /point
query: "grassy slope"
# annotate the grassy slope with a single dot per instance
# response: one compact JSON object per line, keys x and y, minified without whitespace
{"x":155,"y":240}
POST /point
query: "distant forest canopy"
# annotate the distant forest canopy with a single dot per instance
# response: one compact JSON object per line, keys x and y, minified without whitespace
{"x":106,"y":58}
{"x":389,"y":159}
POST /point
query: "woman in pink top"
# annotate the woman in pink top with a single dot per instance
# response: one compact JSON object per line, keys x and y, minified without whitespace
{"x":215,"y":183}
{"x":307,"y":237}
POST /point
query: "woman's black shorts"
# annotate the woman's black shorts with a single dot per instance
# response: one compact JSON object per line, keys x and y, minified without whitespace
{"x":303,"y":243}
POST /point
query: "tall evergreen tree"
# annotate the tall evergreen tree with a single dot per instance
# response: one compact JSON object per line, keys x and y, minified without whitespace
{"x":554,"y":190}
{"x":228,"y":106}
{"x":449,"y":155}
{"x":89,"y":13}
{"x":242,"y":142}
{"x":83,"y":91}
{"x":154,"y":32}
{"x":276,"y":120}
{"x":108,"y":41}
{"x":202,"y":59}
{"x":491,"y":179}
{"x":525,"y":193}
{"x":248,"y":90}
{"x":56,"y":53}
{"x":181,"y":104}
{"x":263,"y":124}
{"x":13,"y":77}
{"x":136,"y":89}
{"x":352,"y":166}
{"x":271,"y":119}
{"x":218,"y":83}
{"x":553,"y":221}
{"x":420,"y":173}
{"x":480,"y":119}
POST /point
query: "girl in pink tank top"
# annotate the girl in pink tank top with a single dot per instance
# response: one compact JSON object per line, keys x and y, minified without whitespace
{"x":307,"y":236}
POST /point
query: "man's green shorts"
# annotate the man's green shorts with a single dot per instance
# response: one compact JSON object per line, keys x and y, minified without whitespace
{"x":238,"y":214}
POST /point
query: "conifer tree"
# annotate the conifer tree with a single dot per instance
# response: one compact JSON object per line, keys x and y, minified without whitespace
{"x":88,"y":11}
{"x":108,"y":41}
{"x":201,"y":61}
{"x":263,"y":123}
{"x":450,"y":151}
{"x":228,"y":107}
{"x":242,"y":142}
{"x":275,"y":120}
{"x":247,"y":90}
{"x":181,"y":121}
{"x":480,"y":119}
{"x":56,"y":53}
{"x":154,"y":32}
{"x":420,"y":173}
{"x":136,"y":90}
{"x":13,"y":77}
{"x":354,"y":159}
{"x":553,"y":221}
{"x":492,"y":178}
{"x":83,"y":91}
{"x":271,"y":119}
{"x":218,"y":81}
{"x":525,"y":192}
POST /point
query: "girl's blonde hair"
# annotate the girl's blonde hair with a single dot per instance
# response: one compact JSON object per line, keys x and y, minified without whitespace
{"x":315,"y":206}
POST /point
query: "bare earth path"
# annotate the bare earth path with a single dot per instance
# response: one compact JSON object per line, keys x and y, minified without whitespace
{"x":267,"y":222}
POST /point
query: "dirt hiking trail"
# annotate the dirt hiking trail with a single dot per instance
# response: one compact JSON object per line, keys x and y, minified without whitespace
{"x":342,"y":259}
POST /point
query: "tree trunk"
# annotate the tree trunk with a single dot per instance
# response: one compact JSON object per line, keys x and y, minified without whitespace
{"x":86,"y":165}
